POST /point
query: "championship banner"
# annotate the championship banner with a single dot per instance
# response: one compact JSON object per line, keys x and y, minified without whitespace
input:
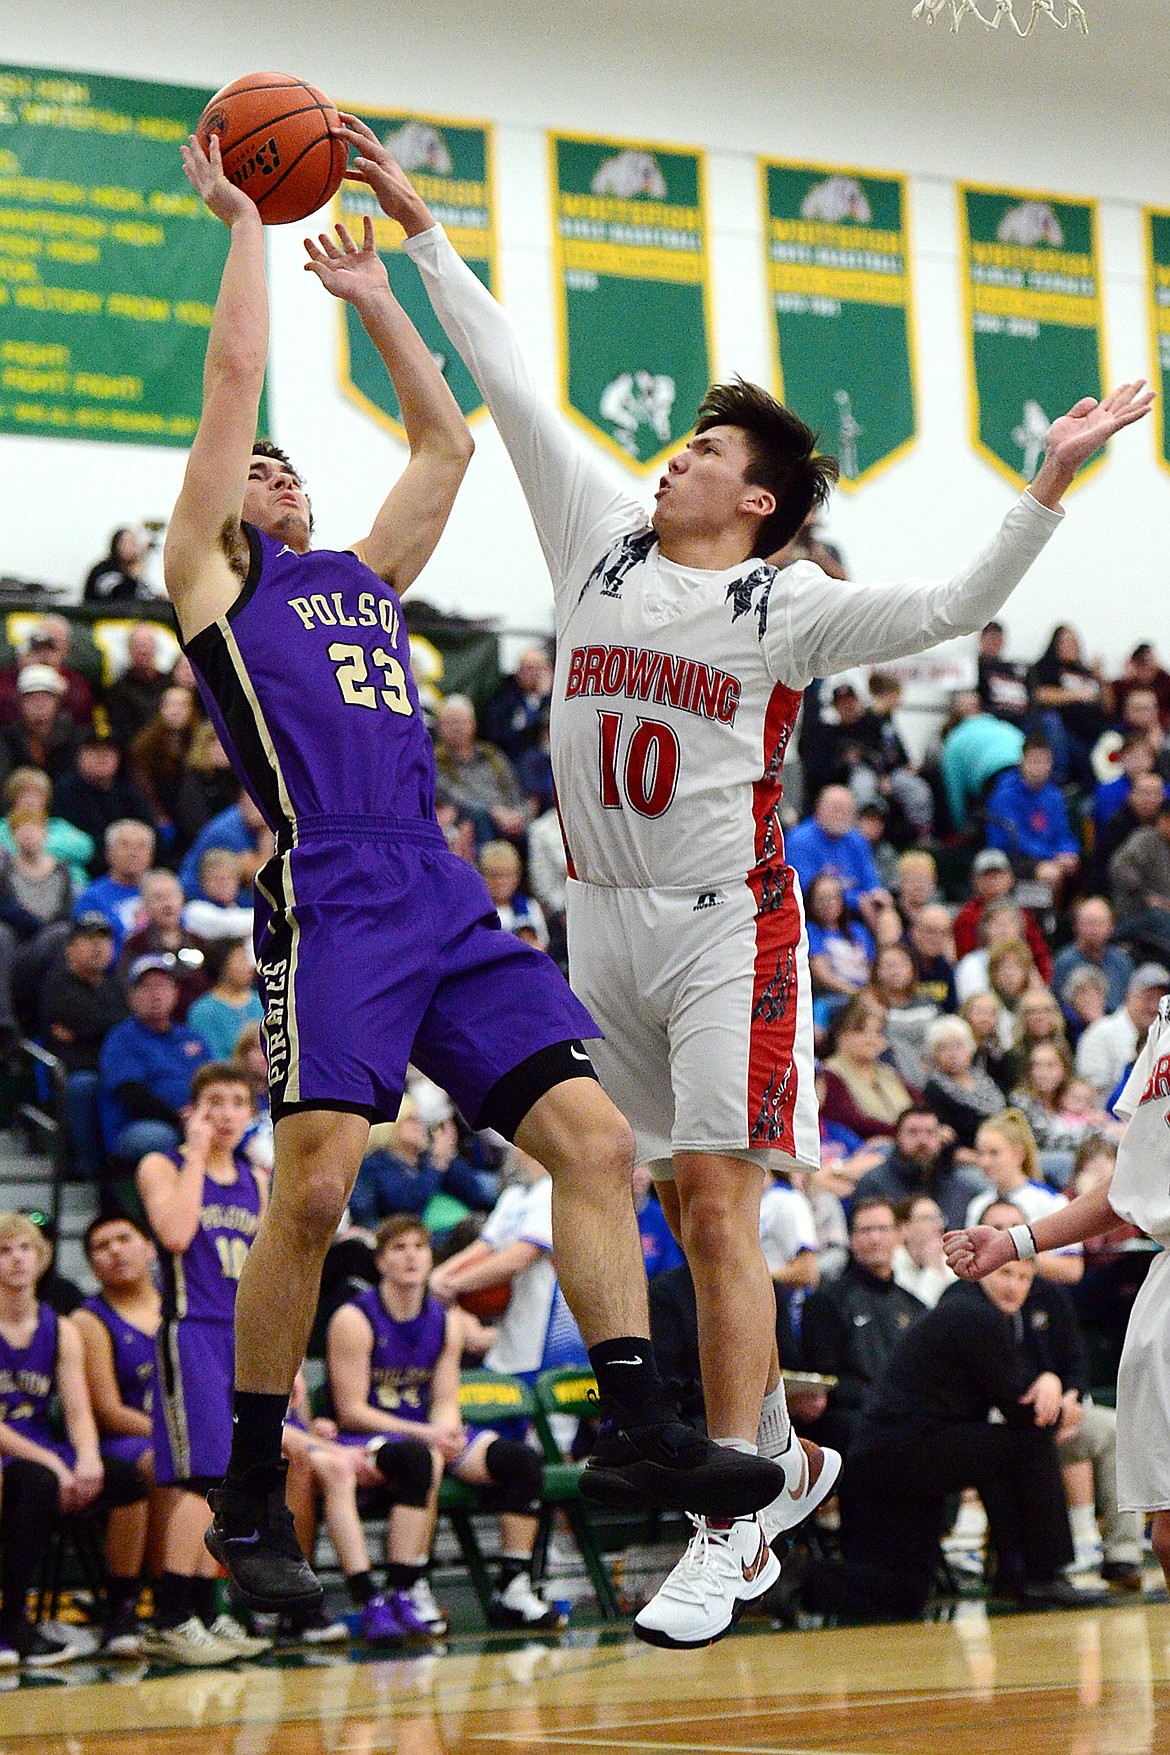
{"x":839,"y":288}
{"x":633,"y":291}
{"x":450,"y":164}
{"x":109,"y":262}
{"x":1158,"y":247}
{"x":1032,"y":289}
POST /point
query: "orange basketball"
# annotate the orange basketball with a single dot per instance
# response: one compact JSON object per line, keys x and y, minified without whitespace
{"x":278,"y":137}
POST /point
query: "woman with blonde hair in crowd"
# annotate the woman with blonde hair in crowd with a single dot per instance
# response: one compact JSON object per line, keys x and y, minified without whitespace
{"x":1008,"y":1156}
{"x":1011,"y":973}
{"x":861,"y":1091}
{"x":1038,"y":1019}
{"x":31,"y":789}
{"x":982,"y":1013}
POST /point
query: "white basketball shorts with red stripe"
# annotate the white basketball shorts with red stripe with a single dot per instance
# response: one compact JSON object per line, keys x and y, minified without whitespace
{"x":706,"y":1004}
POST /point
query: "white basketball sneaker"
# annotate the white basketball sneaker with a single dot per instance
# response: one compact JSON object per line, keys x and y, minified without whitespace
{"x":810,"y":1474}
{"x":725,"y":1567}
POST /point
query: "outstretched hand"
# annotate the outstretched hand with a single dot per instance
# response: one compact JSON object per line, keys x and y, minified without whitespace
{"x":975,"y":1253}
{"x":205,"y":174}
{"x":379,"y":170}
{"x":1081,"y":433}
{"x":344,"y":270}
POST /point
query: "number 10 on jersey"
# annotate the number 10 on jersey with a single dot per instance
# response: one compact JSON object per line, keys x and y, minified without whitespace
{"x":644,"y":773}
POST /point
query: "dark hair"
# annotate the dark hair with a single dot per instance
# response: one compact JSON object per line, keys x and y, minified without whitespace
{"x":1036,"y":740}
{"x":399,"y":1225}
{"x":782,"y":456}
{"x":215,"y":957}
{"x":265,"y":448}
{"x":111,"y":1218}
{"x":864,"y":1205}
{"x":913,"y":1109}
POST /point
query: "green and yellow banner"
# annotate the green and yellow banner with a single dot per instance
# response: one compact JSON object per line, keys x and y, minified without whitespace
{"x":109,"y":263}
{"x":450,"y":164}
{"x":1032,"y":287}
{"x":842,"y":313}
{"x":633,"y":291}
{"x":1158,"y":252}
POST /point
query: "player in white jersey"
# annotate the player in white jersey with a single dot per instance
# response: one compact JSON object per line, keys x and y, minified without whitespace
{"x":682,"y":655}
{"x":1139,"y":1194}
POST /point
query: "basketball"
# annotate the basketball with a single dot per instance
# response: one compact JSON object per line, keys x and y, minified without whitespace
{"x":278,"y":137}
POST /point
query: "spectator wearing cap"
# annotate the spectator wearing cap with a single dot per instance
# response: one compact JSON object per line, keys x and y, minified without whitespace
{"x":80,"y":1003}
{"x":42,"y":735}
{"x":993,"y":880}
{"x":50,"y":642}
{"x":96,"y":792}
{"x":129,"y":851}
{"x":872,"y":818}
{"x":1092,"y":947}
{"x":1028,"y":820}
{"x":977,"y":749}
{"x":241,"y":829}
{"x":163,"y":933}
{"x":1111,"y":1045}
{"x":830,"y":841}
{"x":31,"y":789}
{"x":146,"y":1066}
{"x":132,"y":701}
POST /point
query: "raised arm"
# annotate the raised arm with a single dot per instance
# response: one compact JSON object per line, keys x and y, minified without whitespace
{"x":574,"y":506}
{"x":831,"y":625}
{"x":205,"y":558}
{"x":415,"y":511}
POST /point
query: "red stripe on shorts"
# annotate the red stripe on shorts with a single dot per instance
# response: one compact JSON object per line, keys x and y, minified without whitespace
{"x":775,"y":989}
{"x":570,"y":868}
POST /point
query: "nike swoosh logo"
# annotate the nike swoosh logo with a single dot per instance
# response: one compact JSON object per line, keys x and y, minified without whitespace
{"x":244,"y":1541}
{"x":626,"y":1361}
{"x":799,"y":1492}
{"x":578,"y":1054}
{"x":752,"y":1572}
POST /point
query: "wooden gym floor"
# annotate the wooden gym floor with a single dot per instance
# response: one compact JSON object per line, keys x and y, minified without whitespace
{"x":1091,"y":1683}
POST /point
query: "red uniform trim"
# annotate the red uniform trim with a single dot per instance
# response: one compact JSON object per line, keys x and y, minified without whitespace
{"x":772,"y":1076}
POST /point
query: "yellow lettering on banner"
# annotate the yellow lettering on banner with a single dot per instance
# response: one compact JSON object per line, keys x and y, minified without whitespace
{"x":68,"y":250}
{"x":123,"y":200}
{"x":194,"y":312}
{"x":81,"y":118}
{"x":676,"y":266}
{"x":138,"y":307}
{"x":162,"y":128}
{"x":820,"y":233}
{"x":124,"y":389}
{"x":860,"y":288}
{"x":1008,"y":301}
{"x":17,"y":246}
{"x":63,"y":91}
{"x":1034,"y":261}
{"x":73,"y":225}
{"x":35,"y":353}
{"x":162,"y":201}
{"x":42,"y":189}
{"x":13,"y":86}
{"x":33,"y":382}
{"x":470,"y":241}
{"x":136,"y":231}
{"x":453,"y":189}
{"x":610,"y":210}
{"x":24,"y":271}
{"x":70,"y":301}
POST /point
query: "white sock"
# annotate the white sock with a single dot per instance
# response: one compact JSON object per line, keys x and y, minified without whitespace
{"x":775,"y":1427}
{"x":1084,"y":1525}
{"x":736,"y":1444}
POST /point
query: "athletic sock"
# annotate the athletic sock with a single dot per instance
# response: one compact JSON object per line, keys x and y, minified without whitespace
{"x":257,"y":1431}
{"x":120,"y":1591}
{"x":173,"y":1600}
{"x":775,"y":1428}
{"x":628,"y":1381}
{"x":743,"y":1445}
{"x":203,"y":1599}
{"x":400,"y":1576}
{"x":1085,"y":1530}
{"x":511,"y":1566}
{"x":361,"y":1588}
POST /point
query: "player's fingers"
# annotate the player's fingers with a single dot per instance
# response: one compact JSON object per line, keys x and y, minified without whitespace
{"x":328,"y":247}
{"x":353,"y":175}
{"x":352,"y":124}
{"x":367,"y":233}
{"x":347,"y":242}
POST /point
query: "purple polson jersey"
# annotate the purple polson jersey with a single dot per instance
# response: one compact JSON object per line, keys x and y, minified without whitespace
{"x":404,"y":1355}
{"x":28,"y":1377}
{"x":307,"y":681}
{"x":200,"y":1284}
{"x":134,"y":1353}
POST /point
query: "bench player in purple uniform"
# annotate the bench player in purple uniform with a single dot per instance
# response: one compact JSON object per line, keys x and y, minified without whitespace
{"x":374,"y":944}
{"x":118,"y":1326}
{"x":393,"y":1353}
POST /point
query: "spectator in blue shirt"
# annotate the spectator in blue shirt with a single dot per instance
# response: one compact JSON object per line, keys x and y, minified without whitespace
{"x":659,"y":1248}
{"x":829,"y":841}
{"x":404,"y":1178}
{"x":146,"y":1066}
{"x":242,"y":830}
{"x":118,"y":895}
{"x":1027,"y":818}
{"x":1091,"y":947}
{"x":1133,"y":756}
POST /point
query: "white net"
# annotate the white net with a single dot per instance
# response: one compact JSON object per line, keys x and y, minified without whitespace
{"x":992,"y":13}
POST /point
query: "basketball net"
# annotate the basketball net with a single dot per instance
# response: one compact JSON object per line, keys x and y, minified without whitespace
{"x":992,"y":13}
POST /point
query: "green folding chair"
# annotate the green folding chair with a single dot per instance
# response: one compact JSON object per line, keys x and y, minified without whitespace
{"x":572,"y":1390}
{"x":486,"y":1398}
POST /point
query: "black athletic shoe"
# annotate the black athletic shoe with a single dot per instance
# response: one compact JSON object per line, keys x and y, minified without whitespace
{"x":252,"y":1534}
{"x":1057,"y":1593}
{"x":671,"y":1467}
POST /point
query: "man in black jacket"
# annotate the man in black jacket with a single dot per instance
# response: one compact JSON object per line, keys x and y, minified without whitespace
{"x":922,"y":1162}
{"x":852,"y":1324}
{"x":82,"y":999}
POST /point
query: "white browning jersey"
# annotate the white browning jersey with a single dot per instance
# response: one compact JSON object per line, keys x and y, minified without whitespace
{"x":1140,"y":1194}
{"x":675,"y":695}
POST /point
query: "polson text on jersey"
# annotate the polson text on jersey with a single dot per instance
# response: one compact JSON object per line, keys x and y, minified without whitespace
{"x":330,"y":612}
{"x":643,"y":675}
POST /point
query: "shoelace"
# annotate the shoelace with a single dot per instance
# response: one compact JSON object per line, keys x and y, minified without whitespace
{"x":707,"y":1554}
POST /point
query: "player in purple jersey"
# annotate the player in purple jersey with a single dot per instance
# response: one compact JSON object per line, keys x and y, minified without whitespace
{"x":118,"y":1326}
{"x":393,"y":1354}
{"x":204,"y":1204}
{"x":374,"y":944}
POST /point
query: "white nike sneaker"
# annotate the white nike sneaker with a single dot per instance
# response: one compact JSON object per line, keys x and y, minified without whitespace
{"x":725,"y":1567}
{"x":228,"y":1630}
{"x":810,"y":1474}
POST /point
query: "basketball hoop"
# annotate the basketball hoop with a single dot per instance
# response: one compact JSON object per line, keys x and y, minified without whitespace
{"x":992,"y":13}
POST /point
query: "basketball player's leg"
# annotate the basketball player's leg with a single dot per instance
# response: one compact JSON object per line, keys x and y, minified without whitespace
{"x":1160,"y":1541}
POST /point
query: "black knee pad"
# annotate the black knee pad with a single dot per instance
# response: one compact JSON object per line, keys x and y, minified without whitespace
{"x":517,"y":1476}
{"x":405,"y":1465}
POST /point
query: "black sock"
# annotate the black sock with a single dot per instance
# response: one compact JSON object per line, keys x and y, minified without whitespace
{"x":399,"y":1576}
{"x":203,"y":1599}
{"x":119,"y":1592}
{"x":173,"y":1599}
{"x":257,"y":1430}
{"x":361,"y":1588}
{"x":511,"y":1566}
{"x":628,"y":1381}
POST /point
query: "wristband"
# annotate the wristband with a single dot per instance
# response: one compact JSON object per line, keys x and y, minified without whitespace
{"x":1021,"y":1236}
